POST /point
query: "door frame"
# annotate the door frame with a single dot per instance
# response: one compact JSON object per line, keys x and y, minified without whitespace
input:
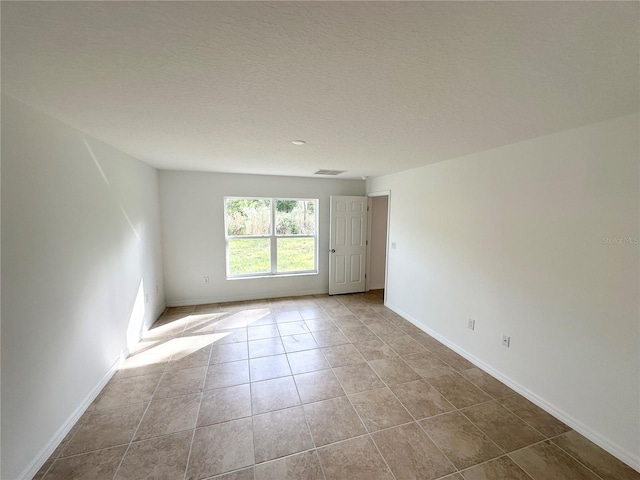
{"x":381,"y":193}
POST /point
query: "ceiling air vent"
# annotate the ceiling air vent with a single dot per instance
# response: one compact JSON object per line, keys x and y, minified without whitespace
{"x":329,"y":172}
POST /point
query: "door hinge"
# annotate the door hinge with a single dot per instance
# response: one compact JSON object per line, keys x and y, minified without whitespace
{"x":367,"y":208}
{"x":366,"y":242}
{"x":365,"y":275}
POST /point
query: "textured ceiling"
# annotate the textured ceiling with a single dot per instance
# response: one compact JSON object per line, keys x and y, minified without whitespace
{"x":373,"y":87}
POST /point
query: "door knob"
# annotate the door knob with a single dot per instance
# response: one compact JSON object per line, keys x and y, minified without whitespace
{"x":333,"y":250}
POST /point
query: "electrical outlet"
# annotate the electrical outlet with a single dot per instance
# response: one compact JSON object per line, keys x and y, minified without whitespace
{"x":393,"y":245}
{"x":506,"y":341}
{"x":471,"y":324}
{"x":205,"y":279}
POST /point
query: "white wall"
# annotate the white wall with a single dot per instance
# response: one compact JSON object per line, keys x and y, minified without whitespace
{"x":193,"y":238}
{"x":513,"y":237}
{"x":80,"y":250}
{"x":378,"y":241}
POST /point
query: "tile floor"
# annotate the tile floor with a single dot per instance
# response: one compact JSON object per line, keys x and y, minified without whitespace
{"x":313,"y":388}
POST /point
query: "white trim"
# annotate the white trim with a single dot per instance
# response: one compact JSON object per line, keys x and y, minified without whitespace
{"x":37,"y":463}
{"x":242,"y":298}
{"x":620,"y":453}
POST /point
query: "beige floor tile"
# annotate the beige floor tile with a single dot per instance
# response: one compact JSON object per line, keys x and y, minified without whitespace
{"x":545,"y":461}
{"x":98,"y":465}
{"x":292,"y":328}
{"x":359,"y":334}
{"x":379,"y":409}
{"x":225,"y":337}
{"x":221,"y":448}
{"x":333,"y":420}
{"x":330,"y":337}
{"x":498,"y":468}
{"x":274,"y":394}
{"x":298,"y":343}
{"x":280,"y":433}
{"x":594,"y":457}
{"x":393,"y":370}
{"x":427,"y":365}
{"x":262,"y":332}
{"x":106,"y":428}
{"x":405,"y":385}
{"x":318,"y":385}
{"x":229,"y":352}
{"x":312,"y":313}
{"x":421,"y":399}
{"x":455,"y":360}
{"x":320,"y":324}
{"x":460,"y":440}
{"x":197,"y":358}
{"x":265,"y":347}
{"x":405,"y":345}
{"x":169,"y":415}
{"x":410,"y":453}
{"x":370,"y":317}
{"x":288,"y":316}
{"x":265,"y":368}
{"x":337,"y":311}
{"x":486,"y":382}
{"x":181,"y":382}
{"x":347,"y":321}
{"x":534,"y":415}
{"x":128,"y":391}
{"x":227,"y":374}
{"x":358,"y":378}
{"x":161,"y":458}
{"x":224,"y":404}
{"x":385,"y":331}
{"x":458,"y":391}
{"x":375,"y":349}
{"x":150,"y":357}
{"x":307,"y":361}
{"x":355,"y":459}
{"x":501,"y":426}
{"x":244,"y":474}
{"x":302,"y":466}
{"x":341,"y":355}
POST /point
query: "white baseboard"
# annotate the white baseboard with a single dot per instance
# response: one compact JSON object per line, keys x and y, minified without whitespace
{"x":620,"y":453}
{"x":242,"y":298}
{"x":57,"y":438}
{"x":378,"y":286}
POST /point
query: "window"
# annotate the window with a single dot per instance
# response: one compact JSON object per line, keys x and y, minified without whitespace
{"x":271,"y":236}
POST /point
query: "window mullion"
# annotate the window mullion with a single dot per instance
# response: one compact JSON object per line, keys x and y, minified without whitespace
{"x":274,"y":242}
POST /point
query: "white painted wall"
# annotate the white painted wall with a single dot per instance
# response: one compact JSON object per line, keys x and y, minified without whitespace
{"x":378,"y":241}
{"x":193,"y":238}
{"x":513,"y":237}
{"x":80,"y":249}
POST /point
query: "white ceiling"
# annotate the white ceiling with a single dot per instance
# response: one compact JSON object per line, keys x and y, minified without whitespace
{"x":373,"y":87}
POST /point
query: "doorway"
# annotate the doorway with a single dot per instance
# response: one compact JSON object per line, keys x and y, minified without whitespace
{"x":378,"y":233}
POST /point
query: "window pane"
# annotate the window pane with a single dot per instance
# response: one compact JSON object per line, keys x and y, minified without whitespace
{"x":249,"y":255}
{"x":296,"y":254}
{"x":248,"y":216}
{"x":295,"y":217}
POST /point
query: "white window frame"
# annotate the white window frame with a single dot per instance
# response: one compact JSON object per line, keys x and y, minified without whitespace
{"x":273,"y":236}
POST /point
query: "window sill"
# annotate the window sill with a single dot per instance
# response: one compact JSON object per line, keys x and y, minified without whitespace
{"x":277,"y":275}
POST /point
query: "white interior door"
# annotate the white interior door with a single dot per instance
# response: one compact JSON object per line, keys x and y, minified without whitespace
{"x":347,"y":245}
